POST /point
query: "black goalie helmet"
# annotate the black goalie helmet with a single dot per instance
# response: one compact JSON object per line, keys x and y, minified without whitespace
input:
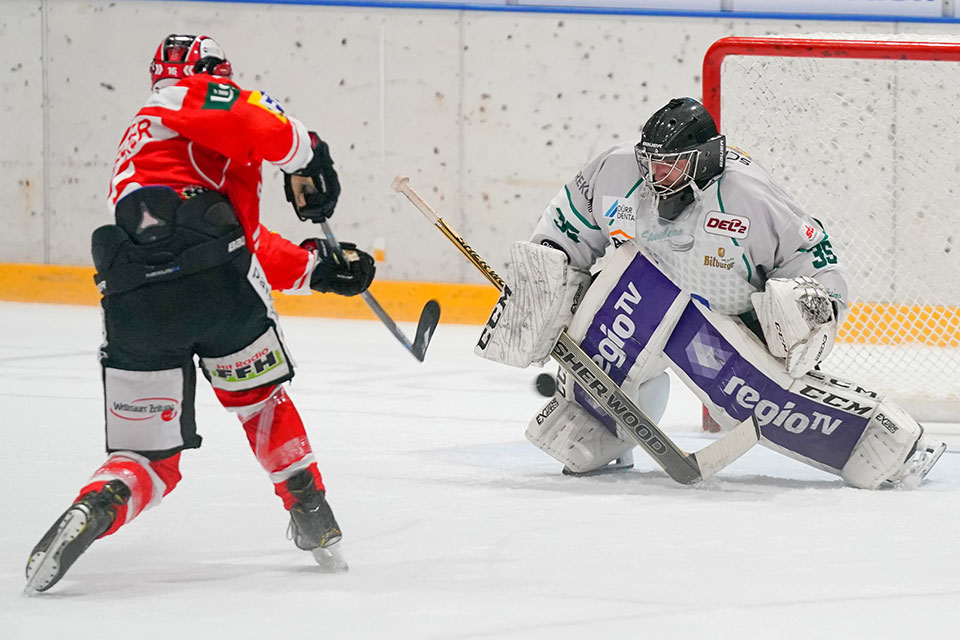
{"x":679,"y":149}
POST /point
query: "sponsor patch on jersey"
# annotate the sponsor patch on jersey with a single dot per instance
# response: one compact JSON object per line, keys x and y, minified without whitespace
{"x":220,"y":96}
{"x":618,"y":209}
{"x":265,"y":102}
{"x":725,"y":224}
{"x":719,"y":261}
{"x":808,"y":232}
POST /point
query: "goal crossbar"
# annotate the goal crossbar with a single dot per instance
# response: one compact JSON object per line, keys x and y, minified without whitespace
{"x":812,"y":47}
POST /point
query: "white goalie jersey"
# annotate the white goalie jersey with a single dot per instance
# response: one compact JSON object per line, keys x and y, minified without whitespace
{"x":741,"y":231}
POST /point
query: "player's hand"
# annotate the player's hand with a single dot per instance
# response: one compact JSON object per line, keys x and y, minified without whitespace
{"x":348,"y":277}
{"x":314,"y":190}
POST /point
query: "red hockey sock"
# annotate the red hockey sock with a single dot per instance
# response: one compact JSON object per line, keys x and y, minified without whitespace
{"x":275,"y":433}
{"x":148,"y":481}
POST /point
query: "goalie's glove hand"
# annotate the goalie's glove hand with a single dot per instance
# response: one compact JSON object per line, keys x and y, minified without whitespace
{"x":332,"y":275}
{"x":799,"y":322}
{"x":313,"y":191}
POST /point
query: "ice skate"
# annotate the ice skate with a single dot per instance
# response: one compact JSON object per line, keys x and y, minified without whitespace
{"x":925,"y":454}
{"x":313,"y":526}
{"x":71,"y":534}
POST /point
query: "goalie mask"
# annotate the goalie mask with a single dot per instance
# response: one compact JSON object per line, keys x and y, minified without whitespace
{"x":680,"y":152}
{"x":179,"y":56}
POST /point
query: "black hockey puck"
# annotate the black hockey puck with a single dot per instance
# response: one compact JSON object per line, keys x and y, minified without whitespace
{"x":546,"y":385}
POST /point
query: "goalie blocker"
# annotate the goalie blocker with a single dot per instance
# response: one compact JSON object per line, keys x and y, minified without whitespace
{"x":635,"y":323}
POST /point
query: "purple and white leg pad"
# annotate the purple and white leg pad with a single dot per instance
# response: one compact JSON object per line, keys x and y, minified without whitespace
{"x":634,"y":322}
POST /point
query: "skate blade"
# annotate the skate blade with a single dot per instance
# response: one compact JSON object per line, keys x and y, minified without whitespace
{"x":43,"y":568}
{"x":917,"y":478}
{"x":330,"y":559}
{"x":623,"y":463}
{"x":602,"y":471}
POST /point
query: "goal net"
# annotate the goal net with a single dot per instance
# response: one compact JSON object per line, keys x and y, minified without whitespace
{"x":863,"y":132}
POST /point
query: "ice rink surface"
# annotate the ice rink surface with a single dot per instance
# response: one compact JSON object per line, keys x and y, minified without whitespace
{"x":454,"y":526}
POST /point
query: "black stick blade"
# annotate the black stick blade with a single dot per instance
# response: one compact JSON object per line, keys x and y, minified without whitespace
{"x":429,"y":318}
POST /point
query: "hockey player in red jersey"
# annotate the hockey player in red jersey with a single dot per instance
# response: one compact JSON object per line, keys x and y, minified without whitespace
{"x":187,"y":271}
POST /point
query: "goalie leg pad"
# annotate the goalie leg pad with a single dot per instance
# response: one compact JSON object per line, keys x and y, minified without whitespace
{"x":893,"y":451}
{"x":531,"y":313}
{"x":569,"y":434}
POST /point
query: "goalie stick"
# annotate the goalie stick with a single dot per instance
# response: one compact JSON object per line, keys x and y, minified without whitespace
{"x":685,"y":468}
{"x":429,"y":317}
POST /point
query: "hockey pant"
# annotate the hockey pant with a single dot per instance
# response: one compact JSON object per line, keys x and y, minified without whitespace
{"x":635,"y":323}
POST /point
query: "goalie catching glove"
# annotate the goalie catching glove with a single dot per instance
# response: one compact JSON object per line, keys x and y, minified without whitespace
{"x":347,"y":277}
{"x":799,"y":322}
{"x":531,"y":313}
{"x":313,"y":191}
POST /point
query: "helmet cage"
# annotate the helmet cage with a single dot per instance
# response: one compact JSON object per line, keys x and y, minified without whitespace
{"x":676,"y":169}
{"x":698,"y":164}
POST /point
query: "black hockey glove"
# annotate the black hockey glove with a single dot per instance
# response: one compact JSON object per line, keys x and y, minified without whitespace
{"x":316,"y":184}
{"x":332,"y":276}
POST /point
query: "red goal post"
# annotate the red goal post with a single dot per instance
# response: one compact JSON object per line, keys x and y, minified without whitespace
{"x":863,"y":131}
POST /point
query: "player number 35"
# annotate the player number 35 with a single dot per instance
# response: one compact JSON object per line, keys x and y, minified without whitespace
{"x":823,"y":255}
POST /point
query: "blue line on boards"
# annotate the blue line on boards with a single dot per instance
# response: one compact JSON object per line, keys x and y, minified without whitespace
{"x":619,"y":11}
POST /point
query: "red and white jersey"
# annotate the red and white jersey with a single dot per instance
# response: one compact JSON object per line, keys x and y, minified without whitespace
{"x":206,"y":132}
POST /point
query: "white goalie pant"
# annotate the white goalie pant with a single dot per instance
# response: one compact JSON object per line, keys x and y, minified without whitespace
{"x":564,"y":430}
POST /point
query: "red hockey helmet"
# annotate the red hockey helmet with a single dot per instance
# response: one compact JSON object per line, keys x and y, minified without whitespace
{"x":179,"y":56}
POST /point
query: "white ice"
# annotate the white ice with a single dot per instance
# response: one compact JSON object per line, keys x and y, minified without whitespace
{"x":455,"y":527}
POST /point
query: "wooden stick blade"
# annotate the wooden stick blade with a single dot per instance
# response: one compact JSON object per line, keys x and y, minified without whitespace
{"x":733,"y":444}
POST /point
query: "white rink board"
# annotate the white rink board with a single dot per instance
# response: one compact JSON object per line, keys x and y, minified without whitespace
{"x":488,"y":112}
{"x":455,"y":526}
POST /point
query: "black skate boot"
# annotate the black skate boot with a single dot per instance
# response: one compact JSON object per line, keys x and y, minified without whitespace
{"x":312,"y":524}
{"x":72,"y":533}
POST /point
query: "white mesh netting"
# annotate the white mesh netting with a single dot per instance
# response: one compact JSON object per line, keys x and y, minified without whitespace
{"x":869,"y":147}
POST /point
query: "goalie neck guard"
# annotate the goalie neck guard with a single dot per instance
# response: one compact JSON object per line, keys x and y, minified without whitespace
{"x":680,"y":151}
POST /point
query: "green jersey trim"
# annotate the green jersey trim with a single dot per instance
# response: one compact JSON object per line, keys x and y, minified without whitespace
{"x":734,"y":240}
{"x":577,"y":213}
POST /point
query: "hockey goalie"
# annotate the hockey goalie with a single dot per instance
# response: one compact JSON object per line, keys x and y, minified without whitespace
{"x":680,"y":253}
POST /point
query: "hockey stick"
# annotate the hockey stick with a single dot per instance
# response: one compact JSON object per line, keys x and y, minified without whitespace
{"x":429,"y":317}
{"x":685,"y":468}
